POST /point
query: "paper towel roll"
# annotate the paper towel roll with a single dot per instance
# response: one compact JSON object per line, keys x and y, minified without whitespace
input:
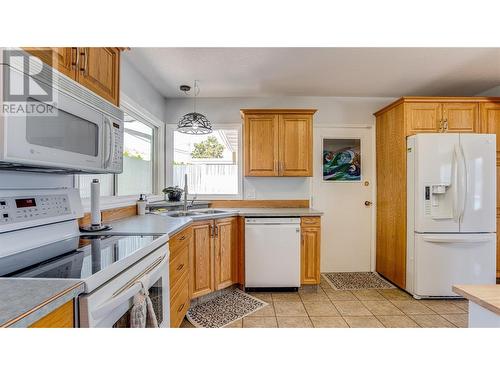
{"x":95,"y":204}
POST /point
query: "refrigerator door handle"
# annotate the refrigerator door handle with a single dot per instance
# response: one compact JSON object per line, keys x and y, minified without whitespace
{"x":455,"y":240}
{"x":463,"y":182}
{"x":454,"y":184}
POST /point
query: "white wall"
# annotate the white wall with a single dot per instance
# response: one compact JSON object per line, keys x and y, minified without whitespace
{"x":136,"y":87}
{"x":331,"y":111}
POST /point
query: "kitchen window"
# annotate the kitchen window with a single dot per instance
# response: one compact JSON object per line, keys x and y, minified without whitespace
{"x":142,"y":161}
{"x":211,"y":161}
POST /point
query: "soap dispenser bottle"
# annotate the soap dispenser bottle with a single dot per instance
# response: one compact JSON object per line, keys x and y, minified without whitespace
{"x":141,"y":204}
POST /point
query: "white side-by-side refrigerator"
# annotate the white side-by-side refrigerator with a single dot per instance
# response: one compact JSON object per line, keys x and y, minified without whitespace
{"x":451,"y":212}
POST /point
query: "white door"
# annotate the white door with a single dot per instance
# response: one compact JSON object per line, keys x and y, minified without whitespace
{"x":347,"y":225}
{"x":478,"y":199}
{"x":444,"y":260}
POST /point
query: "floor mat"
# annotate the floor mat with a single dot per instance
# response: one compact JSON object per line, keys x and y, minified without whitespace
{"x":356,"y":280}
{"x":224,"y":309}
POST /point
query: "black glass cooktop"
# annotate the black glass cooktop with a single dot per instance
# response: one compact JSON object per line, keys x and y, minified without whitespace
{"x":74,"y":258}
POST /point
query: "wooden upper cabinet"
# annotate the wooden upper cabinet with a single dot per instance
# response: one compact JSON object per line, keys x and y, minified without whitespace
{"x":461,"y":117}
{"x":99,"y":71}
{"x":295,"y":146}
{"x":489,"y":114}
{"x":202,"y":277}
{"x":261,"y":145}
{"x":64,"y":59}
{"x":277,"y":142}
{"x":422,"y":117}
{"x":225,"y":252}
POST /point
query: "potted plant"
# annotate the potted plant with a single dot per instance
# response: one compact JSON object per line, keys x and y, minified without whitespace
{"x":174,"y":193}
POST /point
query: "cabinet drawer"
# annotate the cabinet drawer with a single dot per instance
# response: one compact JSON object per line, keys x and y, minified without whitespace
{"x":310,"y":221}
{"x":177,"y":242}
{"x":179,"y":302}
{"x":179,"y":265}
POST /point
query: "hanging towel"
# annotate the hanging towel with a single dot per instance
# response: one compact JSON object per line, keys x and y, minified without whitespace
{"x":142,"y":314}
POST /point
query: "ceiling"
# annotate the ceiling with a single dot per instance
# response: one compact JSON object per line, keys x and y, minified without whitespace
{"x":359,"y":72}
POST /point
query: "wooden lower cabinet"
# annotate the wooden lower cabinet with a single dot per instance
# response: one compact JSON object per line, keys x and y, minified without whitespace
{"x":214,"y":255}
{"x":180,"y":247}
{"x":226,"y":247}
{"x":202,"y":259}
{"x":310,"y":250}
{"x":62,"y":317}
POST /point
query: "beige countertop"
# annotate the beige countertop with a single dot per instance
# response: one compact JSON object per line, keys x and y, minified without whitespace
{"x":487,"y":296}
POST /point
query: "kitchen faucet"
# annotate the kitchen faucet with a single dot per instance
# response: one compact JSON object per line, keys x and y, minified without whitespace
{"x":185,"y":192}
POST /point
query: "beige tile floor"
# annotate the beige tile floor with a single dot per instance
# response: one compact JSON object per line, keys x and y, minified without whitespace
{"x":327,"y":308}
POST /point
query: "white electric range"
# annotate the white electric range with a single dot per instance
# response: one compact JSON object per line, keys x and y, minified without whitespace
{"x":40,"y":238}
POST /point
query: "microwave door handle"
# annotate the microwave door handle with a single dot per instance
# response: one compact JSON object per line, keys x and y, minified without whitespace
{"x":108,"y":133}
{"x":130,"y":290}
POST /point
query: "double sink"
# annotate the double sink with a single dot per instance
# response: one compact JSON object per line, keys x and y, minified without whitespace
{"x":196,"y":213}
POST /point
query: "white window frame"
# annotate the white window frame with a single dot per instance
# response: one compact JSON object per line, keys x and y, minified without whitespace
{"x":133,"y":109}
{"x":169,"y":160}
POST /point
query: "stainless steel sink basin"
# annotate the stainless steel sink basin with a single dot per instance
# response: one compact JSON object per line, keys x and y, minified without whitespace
{"x":182,"y":213}
{"x":210,"y":211}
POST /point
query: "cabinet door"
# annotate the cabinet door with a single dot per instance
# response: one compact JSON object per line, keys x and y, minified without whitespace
{"x":310,"y":255}
{"x":423,"y":117}
{"x":225,"y":252}
{"x":261,"y":145}
{"x":202,"y":277}
{"x":62,"y":317}
{"x":295,"y":145}
{"x":99,"y":71}
{"x":64,"y":59}
{"x":490,"y":123}
{"x":461,"y":117}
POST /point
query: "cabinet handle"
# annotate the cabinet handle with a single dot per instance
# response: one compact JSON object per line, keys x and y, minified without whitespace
{"x":74,"y":58}
{"x":85,"y":55}
{"x":180,"y":267}
{"x":441,"y":125}
{"x":182,"y":238}
{"x":212,"y":231}
{"x":445,"y":125}
{"x":216,"y":231}
{"x":180,"y":307}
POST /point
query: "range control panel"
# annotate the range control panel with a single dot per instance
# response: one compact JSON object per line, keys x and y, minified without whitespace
{"x":28,"y":208}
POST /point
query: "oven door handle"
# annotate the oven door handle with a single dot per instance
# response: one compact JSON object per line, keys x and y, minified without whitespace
{"x":133,"y":288}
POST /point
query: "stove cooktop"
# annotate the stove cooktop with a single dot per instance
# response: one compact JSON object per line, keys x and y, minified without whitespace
{"x":78,"y":257}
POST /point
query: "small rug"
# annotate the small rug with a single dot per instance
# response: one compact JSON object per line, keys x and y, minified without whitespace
{"x":356,"y":280}
{"x":224,"y":309}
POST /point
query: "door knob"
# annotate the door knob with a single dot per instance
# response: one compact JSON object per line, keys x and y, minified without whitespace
{"x":368,"y":203}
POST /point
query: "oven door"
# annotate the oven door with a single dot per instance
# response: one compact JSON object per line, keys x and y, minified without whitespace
{"x":110,"y":305}
{"x":69,"y":137}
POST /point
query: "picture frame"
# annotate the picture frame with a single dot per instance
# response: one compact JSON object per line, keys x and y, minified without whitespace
{"x":341,"y":160}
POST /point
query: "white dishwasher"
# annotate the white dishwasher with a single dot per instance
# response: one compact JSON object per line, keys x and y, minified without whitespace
{"x":272,"y":252}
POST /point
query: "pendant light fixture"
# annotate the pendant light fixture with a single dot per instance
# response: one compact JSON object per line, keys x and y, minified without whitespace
{"x":193,"y":122}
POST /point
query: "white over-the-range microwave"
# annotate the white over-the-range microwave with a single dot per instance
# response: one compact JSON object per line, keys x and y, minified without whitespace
{"x":73,"y":131}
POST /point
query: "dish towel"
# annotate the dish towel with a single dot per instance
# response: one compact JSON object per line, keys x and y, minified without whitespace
{"x":143,"y":314}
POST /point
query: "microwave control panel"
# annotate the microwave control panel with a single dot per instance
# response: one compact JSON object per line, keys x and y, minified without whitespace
{"x":30,"y":208}
{"x":116,"y":159}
